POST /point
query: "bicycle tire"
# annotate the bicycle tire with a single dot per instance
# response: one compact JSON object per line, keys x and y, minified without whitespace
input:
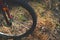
{"x":25,"y":5}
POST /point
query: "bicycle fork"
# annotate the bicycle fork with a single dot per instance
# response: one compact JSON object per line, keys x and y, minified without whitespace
{"x":4,"y":11}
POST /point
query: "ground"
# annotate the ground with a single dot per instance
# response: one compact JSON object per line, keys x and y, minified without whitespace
{"x":47,"y":24}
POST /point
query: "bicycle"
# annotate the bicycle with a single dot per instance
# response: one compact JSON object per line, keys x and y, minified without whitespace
{"x":11,"y":19}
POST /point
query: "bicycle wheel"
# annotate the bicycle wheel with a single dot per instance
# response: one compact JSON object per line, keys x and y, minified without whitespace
{"x":23,"y":22}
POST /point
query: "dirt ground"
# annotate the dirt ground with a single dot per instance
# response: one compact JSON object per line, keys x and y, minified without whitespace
{"x":47,"y":24}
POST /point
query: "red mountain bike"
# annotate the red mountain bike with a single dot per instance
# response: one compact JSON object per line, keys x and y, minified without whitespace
{"x":17,"y":20}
